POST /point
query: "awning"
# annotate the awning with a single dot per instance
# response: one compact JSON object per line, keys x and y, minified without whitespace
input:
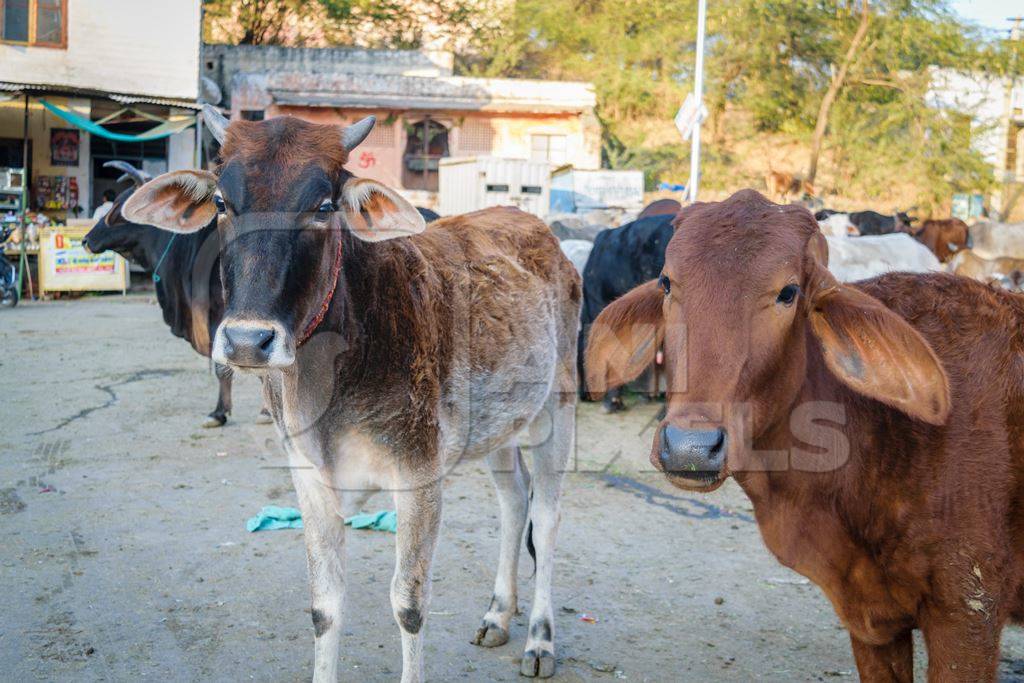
{"x":158,"y":132}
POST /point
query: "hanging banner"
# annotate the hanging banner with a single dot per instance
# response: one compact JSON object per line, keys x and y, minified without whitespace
{"x":65,"y":266}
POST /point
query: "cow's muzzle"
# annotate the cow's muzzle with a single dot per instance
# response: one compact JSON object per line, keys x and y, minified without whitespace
{"x":691,"y":458}
{"x":253,"y":344}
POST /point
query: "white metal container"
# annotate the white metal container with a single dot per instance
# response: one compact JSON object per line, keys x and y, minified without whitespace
{"x":471,"y":183}
{"x":574,"y":190}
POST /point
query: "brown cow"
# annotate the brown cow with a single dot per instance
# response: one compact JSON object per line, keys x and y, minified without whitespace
{"x":878,"y":428}
{"x":660,"y":207}
{"x":780,"y":185}
{"x":944,"y":237}
{"x":389,"y":351}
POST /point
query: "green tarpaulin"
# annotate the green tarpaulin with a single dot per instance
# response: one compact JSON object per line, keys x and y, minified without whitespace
{"x":159,"y":131}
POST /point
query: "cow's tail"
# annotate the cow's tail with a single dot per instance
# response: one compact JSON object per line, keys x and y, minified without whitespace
{"x":530,"y":548}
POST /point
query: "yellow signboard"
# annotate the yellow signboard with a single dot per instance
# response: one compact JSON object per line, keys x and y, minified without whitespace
{"x":65,"y":266}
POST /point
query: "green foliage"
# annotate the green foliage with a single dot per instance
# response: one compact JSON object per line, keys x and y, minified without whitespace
{"x":772,"y":59}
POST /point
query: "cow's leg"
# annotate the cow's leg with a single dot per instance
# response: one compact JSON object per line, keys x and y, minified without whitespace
{"x":890,"y":663}
{"x":220,"y":414}
{"x":962,"y":638}
{"x":418,"y":503}
{"x":264,"y":417}
{"x":324,"y":531}
{"x":613,"y":402}
{"x":512,"y":483}
{"x":550,"y":457}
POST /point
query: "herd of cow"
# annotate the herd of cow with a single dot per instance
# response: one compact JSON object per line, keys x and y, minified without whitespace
{"x":877,"y":426}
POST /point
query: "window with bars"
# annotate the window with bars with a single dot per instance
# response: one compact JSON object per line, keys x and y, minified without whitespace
{"x":549,"y":148}
{"x":41,"y":23}
{"x":476,"y":136}
{"x":382,"y":135}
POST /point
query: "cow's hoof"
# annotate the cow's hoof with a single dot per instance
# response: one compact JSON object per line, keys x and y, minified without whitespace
{"x":264,"y":418}
{"x":490,"y":635}
{"x":213,"y":421}
{"x":613,"y":407}
{"x":537,"y":664}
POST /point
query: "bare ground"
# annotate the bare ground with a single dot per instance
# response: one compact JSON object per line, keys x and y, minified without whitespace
{"x":124,"y":553}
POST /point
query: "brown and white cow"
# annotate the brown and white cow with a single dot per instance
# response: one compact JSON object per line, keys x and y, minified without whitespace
{"x":389,"y":352}
{"x":878,"y":428}
{"x":945,"y":237}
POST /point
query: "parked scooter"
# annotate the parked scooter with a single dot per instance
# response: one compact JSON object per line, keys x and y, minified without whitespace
{"x":8,"y":274}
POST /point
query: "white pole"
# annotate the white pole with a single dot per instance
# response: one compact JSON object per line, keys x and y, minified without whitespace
{"x":698,"y":94}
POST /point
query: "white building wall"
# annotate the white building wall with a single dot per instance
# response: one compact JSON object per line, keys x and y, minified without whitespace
{"x":981,"y":97}
{"x":138,"y":47}
{"x":181,"y":147}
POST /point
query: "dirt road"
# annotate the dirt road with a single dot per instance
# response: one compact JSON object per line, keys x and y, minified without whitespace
{"x":124,"y":553}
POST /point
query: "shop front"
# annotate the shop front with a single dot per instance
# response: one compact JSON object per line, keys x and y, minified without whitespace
{"x":53,"y":147}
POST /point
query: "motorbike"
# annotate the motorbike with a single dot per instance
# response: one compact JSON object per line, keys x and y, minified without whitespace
{"x":8,"y":273}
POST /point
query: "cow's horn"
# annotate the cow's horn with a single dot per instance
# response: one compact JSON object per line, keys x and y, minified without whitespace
{"x":215,"y":121}
{"x":137,"y":176}
{"x":357,"y":132}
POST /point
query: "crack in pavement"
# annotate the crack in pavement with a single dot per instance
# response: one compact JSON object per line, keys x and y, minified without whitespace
{"x":661,"y":499}
{"x":109,"y":390}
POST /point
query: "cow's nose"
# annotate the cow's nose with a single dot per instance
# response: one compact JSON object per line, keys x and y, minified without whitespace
{"x":697,"y":455}
{"x":248,"y":345}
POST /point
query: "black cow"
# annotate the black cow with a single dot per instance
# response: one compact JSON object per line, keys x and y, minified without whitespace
{"x":874,"y":223}
{"x":622,"y":258}
{"x":186,"y":271}
{"x":429,"y":215}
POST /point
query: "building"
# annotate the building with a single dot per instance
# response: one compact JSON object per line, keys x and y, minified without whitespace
{"x":424,"y":112}
{"x":994,"y":108}
{"x":111,"y":71}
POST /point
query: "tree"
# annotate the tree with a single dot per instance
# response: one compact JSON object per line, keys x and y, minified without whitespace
{"x":837,"y":82}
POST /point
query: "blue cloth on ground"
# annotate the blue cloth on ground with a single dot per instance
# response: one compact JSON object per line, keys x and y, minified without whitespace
{"x":273,"y":517}
{"x":385,"y":520}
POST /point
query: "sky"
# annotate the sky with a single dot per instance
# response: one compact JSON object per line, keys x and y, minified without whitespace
{"x":989,"y":13}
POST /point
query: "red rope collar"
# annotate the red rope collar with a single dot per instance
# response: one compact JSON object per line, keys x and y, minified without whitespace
{"x":319,"y":317}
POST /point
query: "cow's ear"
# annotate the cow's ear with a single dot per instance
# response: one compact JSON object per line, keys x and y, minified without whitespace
{"x":874,"y":351}
{"x":375,"y":212}
{"x":180,"y":201}
{"x":625,"y":338}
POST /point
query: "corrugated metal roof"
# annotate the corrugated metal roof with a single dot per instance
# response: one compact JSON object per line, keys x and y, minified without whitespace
{"x":35,"y":89}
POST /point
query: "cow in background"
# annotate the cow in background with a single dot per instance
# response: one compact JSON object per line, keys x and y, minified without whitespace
{"x":994,"y":240}
{"x":660,"y":207}
{"x":944,"y":237}
{"x":1005,"y":271}
{"x":622,"y":258}
{"x":875,"y":427}
{"x":577,"y":251}
{"x":858,"y":258}
{"x":837,"y":225}
{"x":781,"y":185}
{"x":874,"y":223}
{"x":429,"y":215}
{"x":186,"y":276}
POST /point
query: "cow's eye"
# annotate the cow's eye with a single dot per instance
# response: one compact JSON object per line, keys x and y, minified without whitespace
{"x":324,"y":211}
{"x":788,"y":294}
{"x":666,"y":284}
{"x":218,"y":201}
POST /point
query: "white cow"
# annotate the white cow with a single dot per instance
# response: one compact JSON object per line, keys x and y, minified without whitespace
{"x":838,"y":225}
{"x":577,"y":251}
{"x":859,"y":258}
{"x":997,"y":240}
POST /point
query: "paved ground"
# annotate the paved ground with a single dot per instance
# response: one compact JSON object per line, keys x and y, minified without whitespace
{"x":124,"y":553}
